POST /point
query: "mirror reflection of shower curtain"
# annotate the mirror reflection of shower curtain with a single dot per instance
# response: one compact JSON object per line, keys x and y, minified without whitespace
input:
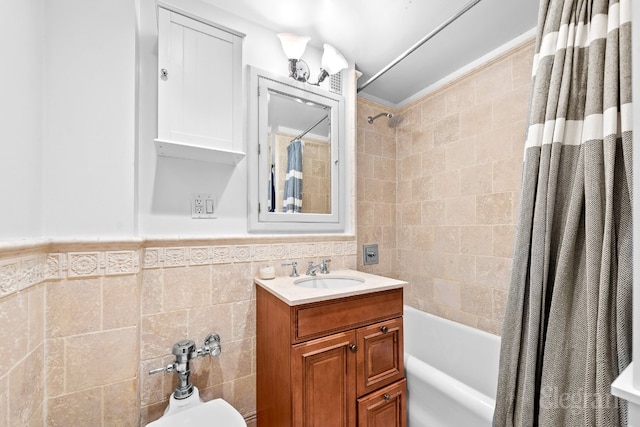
{"x":292,"y":201}
{"x":271,"y":197}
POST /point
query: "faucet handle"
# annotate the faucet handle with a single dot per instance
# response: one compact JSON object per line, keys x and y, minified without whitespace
{"x":294,"y":265}
{"x":324,"y":266}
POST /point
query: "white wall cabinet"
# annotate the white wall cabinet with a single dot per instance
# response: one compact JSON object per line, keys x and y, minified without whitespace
{"x":199,"y":90}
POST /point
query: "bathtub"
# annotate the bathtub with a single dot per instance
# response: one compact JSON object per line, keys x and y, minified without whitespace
{"x":451,"y":370}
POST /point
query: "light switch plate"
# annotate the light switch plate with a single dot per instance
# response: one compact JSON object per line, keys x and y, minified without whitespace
{"x":370,"y":254}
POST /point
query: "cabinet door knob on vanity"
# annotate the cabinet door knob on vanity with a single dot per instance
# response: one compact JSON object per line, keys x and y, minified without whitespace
{"x":353,"y":348}
{"x":384,"y":329}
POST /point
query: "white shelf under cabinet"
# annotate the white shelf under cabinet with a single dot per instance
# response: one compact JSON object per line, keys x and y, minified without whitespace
{"x":183,"y":150}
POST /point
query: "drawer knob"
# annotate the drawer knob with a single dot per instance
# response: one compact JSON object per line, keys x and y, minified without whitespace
{"x":384,"y":329}
{"x":353,"y":348}
{"x":386,"y":397}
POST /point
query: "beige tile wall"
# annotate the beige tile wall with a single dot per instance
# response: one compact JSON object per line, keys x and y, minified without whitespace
{"x":454,"y":168}
{"x":92,"y":351}
{"x":22,"y":347}
{"x":210,"y":289}
{"x":376,"y":188}
{"x":81,"y":325}
{"x":22,"y":342}
{"x":190,"y":302}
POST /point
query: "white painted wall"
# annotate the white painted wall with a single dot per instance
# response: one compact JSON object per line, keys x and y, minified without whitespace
{"x":79,"y":116}
{"x":21,"y":38}
{"x":89,"y":75}
{"x":166,"y":184}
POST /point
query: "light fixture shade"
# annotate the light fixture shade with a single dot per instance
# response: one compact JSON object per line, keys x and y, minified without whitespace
{"x":332,"y":60}
{"x":293,"y":44}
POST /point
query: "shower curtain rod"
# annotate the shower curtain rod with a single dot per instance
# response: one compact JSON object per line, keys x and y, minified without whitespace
{"x":419,"y":43}
{"x":310,"y":128}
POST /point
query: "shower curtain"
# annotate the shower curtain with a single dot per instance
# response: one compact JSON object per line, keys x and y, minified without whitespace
{"x":293,"y":182}
{"x":567,"y":327}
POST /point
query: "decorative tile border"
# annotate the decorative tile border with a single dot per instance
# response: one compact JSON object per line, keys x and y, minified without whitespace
{"x":19,"y":273}
{"x":22,"y":272}
{"x":122,"y":262}
{"x":55,"y":267}
{"x":96,"y":264}
{"x":84,"y":264}
{"x":167,"y":257}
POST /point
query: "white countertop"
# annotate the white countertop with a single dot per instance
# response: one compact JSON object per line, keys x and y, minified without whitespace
{"x":283,"y":287}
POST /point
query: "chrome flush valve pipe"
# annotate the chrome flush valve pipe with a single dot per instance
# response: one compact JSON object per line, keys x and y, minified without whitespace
{"x":184,"y":351}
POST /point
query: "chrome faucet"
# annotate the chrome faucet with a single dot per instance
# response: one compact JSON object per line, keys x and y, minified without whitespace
{"x":184,"y":351}
{"x":323,"y":267}
{"x":311,"y":269}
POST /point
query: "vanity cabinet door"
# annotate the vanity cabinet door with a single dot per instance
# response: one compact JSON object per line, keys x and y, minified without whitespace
{"x":386,"y":407}
{"x":323,"y":374}
{"x":380,"y":355}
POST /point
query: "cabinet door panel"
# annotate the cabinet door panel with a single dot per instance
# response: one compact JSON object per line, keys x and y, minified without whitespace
{"x":324,"y":386}
{"x":384,"y":408}
{"x":380,"y":355}
{"x":196,"y":99}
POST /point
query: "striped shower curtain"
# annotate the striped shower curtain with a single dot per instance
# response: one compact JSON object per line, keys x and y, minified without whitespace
{"x":567,"y":327}
{"x":293,"y":182}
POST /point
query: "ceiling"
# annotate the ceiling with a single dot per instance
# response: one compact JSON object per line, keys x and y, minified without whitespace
{"x":373,"y":33}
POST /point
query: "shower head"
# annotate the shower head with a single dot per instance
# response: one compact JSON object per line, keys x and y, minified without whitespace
{"x":394,"y":119}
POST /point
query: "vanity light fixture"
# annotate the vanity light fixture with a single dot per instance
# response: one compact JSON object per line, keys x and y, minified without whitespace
{"x":294,"y":45}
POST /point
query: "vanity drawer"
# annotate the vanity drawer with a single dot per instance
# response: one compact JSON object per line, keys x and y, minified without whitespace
{"x":385,"y":407}
{"x":318,"y":319}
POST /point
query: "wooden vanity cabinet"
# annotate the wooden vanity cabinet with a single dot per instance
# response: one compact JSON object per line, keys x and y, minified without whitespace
{"x":334,"y":363}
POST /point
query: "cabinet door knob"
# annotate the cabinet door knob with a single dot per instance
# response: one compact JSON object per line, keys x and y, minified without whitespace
{"x":164,"y":74}
{"x":386,"y":397}
{"x":353,"y":348}
{"x":384,"y":329}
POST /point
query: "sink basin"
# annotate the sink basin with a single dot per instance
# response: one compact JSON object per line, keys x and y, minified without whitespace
{"x":329,"y":282}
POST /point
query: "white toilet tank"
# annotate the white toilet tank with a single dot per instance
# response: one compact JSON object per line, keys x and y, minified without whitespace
{"x":192,"y":412}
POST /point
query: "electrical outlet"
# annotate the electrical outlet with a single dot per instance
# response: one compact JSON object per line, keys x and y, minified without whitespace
{"x":203,"y":206}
